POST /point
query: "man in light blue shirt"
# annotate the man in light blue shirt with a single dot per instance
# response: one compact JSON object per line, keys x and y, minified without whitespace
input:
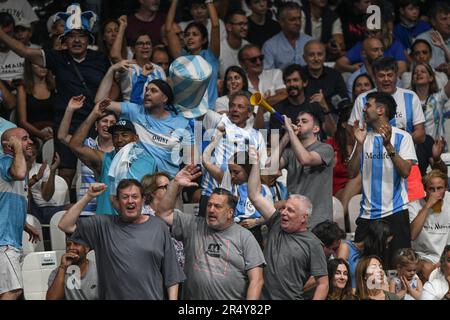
{"x":287,"y":46}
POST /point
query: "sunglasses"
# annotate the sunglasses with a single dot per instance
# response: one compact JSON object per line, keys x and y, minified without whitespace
{"x":255,"y":59}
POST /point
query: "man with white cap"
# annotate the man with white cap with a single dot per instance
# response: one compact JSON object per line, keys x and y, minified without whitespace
{"x":77,"y":70}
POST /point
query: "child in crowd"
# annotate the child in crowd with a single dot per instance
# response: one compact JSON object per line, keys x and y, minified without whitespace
{"x":406,"y":285}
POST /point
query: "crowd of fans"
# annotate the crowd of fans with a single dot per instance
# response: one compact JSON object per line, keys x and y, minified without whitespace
{"x":156,"y":109}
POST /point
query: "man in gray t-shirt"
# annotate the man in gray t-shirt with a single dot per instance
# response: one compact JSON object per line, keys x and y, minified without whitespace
{"x":293,"y":253}
{"x":62,"y":285}
{"x":134,"y":252}
{"x":309,"y":164}
{"x":223,"y":259}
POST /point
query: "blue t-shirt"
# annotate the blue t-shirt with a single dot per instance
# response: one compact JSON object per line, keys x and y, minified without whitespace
{"x":406,"y":35}
{"x":162,"y":138}
{"x":245,"y":209}
{"x":68,"y":84}
{"x":210,"y":57}
{"x":13,"y":205}
{"x":396,"y":50}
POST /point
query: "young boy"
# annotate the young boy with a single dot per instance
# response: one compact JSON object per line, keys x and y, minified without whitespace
{"x":410,"y":26}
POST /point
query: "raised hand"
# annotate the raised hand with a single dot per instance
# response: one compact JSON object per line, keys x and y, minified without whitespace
{"x":437,"y":40}
{"x":123,"y":65}
{"x":41,"y":171}
{"x":123,"y":21}
{"x":96,"y":189}
{"x":56,"y":162}
{"x":67,"y":259}
{"x":187,"y":175}
{"x":438,"y":148}
{"x":320,"y":99}
{"x":76,"y":102}
{"x":386,"y":132}
{"x":14,"y":143}
{"x":360,"y":134}
{"x":147,"y":69}
{"x":101,"y":107}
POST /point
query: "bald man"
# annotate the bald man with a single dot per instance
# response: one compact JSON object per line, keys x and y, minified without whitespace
{"x":323,"y":82}
{"x":371,"y":50}
{"x":13,"y":210}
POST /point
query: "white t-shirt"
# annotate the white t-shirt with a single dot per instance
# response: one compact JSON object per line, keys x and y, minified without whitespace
{"x":11,"y":66}
{"x":409,"y":109}
{"x":222,"y":104}
{"x":228,"y":56}
{"x":19,"y":9}
{"x":36,"y":189}
{"x":384,"y":190}
{"x":435,"y":234}
{"x":270,"y":80}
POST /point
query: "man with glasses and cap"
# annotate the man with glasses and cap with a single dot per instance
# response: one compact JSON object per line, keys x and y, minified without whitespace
{"x":74,"y":262}
{"x":123,"y":135}
{"x":77,"y":70}
{"x":269,"y":82}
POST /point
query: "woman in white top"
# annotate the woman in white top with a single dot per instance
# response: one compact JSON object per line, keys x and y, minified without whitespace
{"x":234,"y":80}
{"x":437,"y":288}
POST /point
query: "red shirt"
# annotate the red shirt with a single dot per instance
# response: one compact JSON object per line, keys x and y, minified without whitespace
{"x":340,"y":172}
{"x":153,"y":28}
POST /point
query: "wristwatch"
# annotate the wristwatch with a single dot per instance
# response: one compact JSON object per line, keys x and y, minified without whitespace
{"x":392,"y":153}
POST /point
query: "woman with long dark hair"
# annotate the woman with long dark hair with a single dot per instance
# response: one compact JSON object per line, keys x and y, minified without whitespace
{"x":234,"y":80}
{"x":339,"y":280}
{"x":375,"y":242}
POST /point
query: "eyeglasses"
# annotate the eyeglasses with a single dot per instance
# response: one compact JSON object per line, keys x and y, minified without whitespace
{"x":163,"y":187}
{"x":141,"y":44}
{"x":255,"y":59}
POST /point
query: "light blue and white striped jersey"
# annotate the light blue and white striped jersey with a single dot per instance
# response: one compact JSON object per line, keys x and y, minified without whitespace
{"x":129,"y":78}
{"x":244,"y":208}
{"x":385,"y":192}
{"x":236,"y":139}
{"x":13,"y":205}
{"x":87,"y":177}
{"x":434,"y":108}
{"x":162,"y":138}
{"x":409,"y":109}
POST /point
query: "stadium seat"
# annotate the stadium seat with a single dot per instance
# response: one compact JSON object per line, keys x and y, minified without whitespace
{"x":36,"y":269}
{"x":354,"y":208}
{"x":57,"y":237}
{"x":338,"y":213}
{"x":27,"y":245}
{"x":47,"y":151}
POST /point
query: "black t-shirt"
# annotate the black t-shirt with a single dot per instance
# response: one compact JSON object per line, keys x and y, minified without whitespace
{"x":259,"y":34}
{"x":68,"y":84}
{"x":424,"y":152}
{"x":288,"y":109}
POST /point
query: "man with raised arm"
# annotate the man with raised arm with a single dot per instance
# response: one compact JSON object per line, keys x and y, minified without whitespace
{"x":223,"y":259}
{"x":293,"y":253}
{"x":134,"y":253}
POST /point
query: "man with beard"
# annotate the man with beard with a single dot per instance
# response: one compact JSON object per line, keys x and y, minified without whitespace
{"x":309,"y":164}
{"x":59,"y":285}
{"x":134,"y":253}
{"x":223,"y":259}
{"x":372,"y":50}
{"x":295,"y":80}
